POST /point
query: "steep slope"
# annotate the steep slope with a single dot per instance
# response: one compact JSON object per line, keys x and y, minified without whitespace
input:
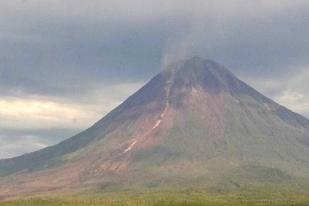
{"x":193,"y":125}
{"x":149,"y":96}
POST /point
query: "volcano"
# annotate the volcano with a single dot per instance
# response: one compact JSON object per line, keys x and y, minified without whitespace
{"x":194,"y":125}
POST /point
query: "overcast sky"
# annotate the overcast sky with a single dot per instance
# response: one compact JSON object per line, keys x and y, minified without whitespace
{"x":65,"y":63}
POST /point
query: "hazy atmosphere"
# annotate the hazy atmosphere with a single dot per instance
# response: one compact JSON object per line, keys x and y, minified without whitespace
{"x":64,"y":64}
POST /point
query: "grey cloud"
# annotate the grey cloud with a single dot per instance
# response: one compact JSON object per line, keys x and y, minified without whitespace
{"x":67,"y":42}
{"x":79,"y":61}
{"x":262,"y":44}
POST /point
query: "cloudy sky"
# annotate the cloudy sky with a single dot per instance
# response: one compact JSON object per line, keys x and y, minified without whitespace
{"x":65,"y":63}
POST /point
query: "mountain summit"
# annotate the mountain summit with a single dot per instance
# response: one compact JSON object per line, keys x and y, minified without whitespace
{"x":193,"y":125}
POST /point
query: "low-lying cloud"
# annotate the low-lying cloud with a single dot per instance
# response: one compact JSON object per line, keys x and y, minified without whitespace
{"x":28,"y":123}
{"x":290,"y":89}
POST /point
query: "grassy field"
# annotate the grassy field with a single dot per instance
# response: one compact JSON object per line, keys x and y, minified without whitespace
{"x":169,"y":198}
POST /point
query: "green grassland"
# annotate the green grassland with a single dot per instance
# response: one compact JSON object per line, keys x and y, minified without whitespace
{"x":171,"y":198}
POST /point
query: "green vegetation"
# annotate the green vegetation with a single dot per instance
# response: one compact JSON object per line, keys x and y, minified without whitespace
{"x":169,"y":198}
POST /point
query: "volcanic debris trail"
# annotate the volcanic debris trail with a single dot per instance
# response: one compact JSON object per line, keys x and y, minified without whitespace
{"x":158,"y":122}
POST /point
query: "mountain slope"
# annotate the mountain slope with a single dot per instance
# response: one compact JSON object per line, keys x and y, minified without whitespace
{"x":193,"y":125}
